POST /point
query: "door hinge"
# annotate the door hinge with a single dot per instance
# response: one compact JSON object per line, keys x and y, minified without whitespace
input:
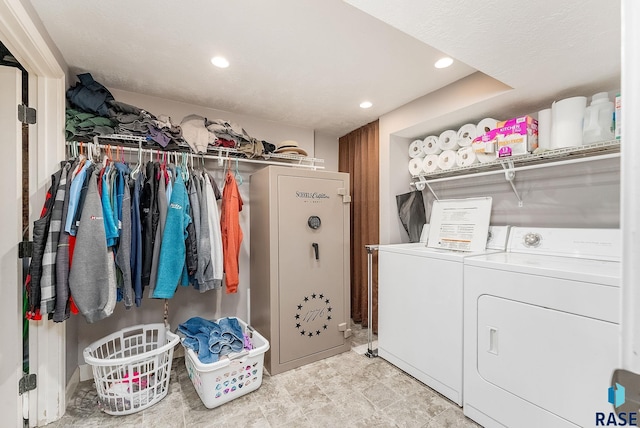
{"x":26,"y":114}
{"x":28,"y":382}
{"x":345,"y":331}
{"x":345,"y":198}
{"x":25,"y":249}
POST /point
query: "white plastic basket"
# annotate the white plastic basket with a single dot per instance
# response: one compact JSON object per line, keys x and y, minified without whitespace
{"x":131,"y":367}
{"x":229,"y":378}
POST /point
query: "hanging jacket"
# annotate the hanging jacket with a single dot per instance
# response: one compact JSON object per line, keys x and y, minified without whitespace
{"x":215,"y":235}
{"x":147,"y":207}
{"x":74,"y":197}
{"x":136,"y":241}
{"x":62,"y":307}
{"x":48,"y":280}
{"x":110,"y":227}
{"x":40,"y":234}
{"x":92,"y":275}
{"x":231,"y":231}
{"x":171,"y":262}
{"x":163,"y":206}
{"x":205,"y":263}
{"x":123,"y":253}
{"x":194,"y":204}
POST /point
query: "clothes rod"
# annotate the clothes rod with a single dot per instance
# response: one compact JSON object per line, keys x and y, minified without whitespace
{"x":208,"y":156}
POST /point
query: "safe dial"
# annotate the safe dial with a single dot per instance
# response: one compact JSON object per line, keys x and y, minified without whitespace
{"x":314,"y":222}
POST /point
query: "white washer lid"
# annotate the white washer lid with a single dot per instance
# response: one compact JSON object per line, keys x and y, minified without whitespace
{"x":571,"y":268}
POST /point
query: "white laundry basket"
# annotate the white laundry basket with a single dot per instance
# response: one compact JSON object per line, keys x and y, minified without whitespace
{"x":222,"y":381}
{"x":131,"y":367}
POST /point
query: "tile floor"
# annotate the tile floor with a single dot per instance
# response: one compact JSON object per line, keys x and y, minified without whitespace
{"x":346,"y":390}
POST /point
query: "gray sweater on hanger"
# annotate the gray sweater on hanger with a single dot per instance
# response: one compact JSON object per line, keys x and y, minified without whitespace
{"x":92,"y":278}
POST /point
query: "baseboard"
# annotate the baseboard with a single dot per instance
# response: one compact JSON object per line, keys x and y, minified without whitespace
{"x":86,"y":373}
{"x":72,"y":384}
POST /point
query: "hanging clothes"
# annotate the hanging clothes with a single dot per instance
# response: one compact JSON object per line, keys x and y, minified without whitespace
{"x":231,"y":231}
{"x":48,"y":280}
{"x":149,"y":216}
{"x":136,"y":240}
{"x":171,"y":262}
{"x":194,"y":232}
{"x":163,"y":206}
{"x":123,"y":252}
{"x":40,"y":234}
{"x":215,"y":234}
{"x":62,"y":308}
{"x":92,"y":277}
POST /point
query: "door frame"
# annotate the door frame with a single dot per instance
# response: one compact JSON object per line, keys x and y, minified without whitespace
{"x":23,"y":34}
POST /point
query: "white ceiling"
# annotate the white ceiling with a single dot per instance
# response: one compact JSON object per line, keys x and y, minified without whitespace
{"x":310,"y":63}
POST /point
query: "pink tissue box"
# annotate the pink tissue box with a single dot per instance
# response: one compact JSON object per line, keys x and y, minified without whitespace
{"x":512,"y":137}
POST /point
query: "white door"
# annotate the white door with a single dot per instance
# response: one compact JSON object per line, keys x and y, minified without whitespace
{"x":10,"y":218}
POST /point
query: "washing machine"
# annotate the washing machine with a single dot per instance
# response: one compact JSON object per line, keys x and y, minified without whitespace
{"x":420,"y":310}
{"x":542,"y":328}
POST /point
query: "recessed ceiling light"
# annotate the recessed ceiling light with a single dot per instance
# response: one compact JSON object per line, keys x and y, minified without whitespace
{"x":220,"y":62}
{"x":365,"y":104}
{"x":443,"y":62}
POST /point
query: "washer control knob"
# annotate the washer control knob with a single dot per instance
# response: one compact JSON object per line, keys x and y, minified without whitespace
{"x":532,"y":239}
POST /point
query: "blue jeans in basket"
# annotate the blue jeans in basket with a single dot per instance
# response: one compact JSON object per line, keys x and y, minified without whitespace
{"x":211,"y":340}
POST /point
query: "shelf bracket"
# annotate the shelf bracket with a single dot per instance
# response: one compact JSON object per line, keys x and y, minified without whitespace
{"x":509,"y":175}
{"x":421,"y":185}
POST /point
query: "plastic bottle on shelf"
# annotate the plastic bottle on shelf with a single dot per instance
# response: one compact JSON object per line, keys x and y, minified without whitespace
{"x":598,"y":119}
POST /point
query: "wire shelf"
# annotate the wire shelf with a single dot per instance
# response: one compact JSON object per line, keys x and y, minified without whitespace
{"x":136,"y":142}
{"x":547,"y":157}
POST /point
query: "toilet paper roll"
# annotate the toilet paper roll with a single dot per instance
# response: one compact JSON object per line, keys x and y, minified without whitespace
{"x":430,"y":145}
{"x":567,"y":117}
{"x":485,"y":157}
{"x":466,"y":134}
{"x":448,"y":140}
{"x":466,"y":156}
{"x":447,"y":160}
{"x":415,"y":166}
{"x":430,"y":163}
{"x":486,"y":125}
{"x":544,"y":129}
{"x":415,"y":149}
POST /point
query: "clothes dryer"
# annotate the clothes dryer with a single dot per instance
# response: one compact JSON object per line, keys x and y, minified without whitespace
{"x":541,"y":328}
{"x":420,"y":310}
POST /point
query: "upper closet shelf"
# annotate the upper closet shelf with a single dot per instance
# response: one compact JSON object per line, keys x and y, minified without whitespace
{"x":509,"y":165}
{"x":217,"y":153}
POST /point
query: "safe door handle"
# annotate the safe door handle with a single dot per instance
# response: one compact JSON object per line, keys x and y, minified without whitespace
{"x":316,"y":250}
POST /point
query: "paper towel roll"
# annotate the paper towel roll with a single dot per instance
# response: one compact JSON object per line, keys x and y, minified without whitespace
{"x":448,"y":140}
{"x":466,"y":134}
{"x":486,"y":157}
{"x":415,"y":166}
{"x":430,"y":145}
{"x":567,"y":117}
{"x":466,"y":156}
{"x":447,"y":160}
{"x":430,"y":163}
{"x":486,"y":125}
{"x":544,"y":129}
{"x":415,"y":149}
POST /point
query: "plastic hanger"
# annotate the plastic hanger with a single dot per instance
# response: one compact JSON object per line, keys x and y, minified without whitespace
{"x":237,"y":175}
{"x":136,"y":169}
